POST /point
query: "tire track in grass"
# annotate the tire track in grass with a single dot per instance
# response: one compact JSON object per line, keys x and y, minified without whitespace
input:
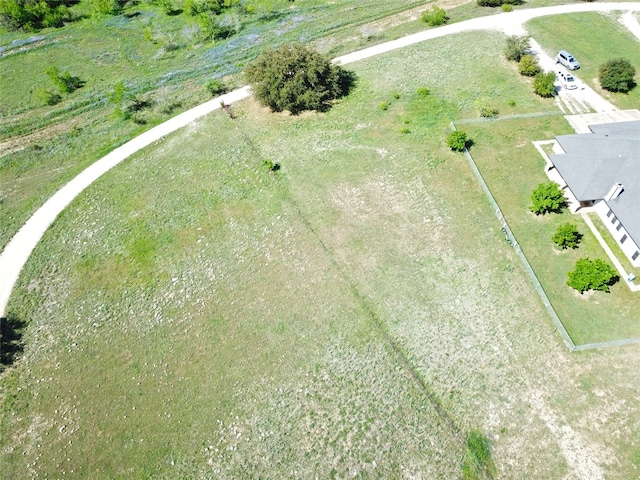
{"x":374,"y":318}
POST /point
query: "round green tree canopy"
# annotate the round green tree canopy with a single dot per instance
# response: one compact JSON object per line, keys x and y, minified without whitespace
{"x":293,"y":77}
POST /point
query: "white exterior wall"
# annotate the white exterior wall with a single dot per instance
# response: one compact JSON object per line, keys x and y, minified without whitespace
{"x":629,"y":247}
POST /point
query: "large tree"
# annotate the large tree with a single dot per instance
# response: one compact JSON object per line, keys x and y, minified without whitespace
{"x":293,"y":77}
{"x":617,"y":75}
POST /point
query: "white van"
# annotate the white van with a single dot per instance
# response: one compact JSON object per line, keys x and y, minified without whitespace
{"x":568,"y":60}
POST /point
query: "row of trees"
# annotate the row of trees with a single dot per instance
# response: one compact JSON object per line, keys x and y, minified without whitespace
{"x":615,"y":75}
{"x":517,"y":49}
{"x":587,"y":274}
{"x":32,"y":15}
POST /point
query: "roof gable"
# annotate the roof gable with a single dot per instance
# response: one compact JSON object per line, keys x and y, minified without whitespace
{"x":593,"y":162}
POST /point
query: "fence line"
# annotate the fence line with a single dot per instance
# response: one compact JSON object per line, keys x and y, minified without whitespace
{"x":612,"y":343}
{"x":511,"y":239}
{"x":553,"y":113}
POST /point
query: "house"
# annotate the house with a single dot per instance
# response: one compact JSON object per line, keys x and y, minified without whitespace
{"x":601,"y":170}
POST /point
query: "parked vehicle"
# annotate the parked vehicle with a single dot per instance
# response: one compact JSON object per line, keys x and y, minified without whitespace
{"x":567,"y":80}
{"x":568,"y":60}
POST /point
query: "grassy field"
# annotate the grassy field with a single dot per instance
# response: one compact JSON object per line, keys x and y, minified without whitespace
{"x":356,"y":314}
{"x":43,"y":147}
{"x":161,"y":61}
{"x":607,"y":39}
{"x":512,"y":168}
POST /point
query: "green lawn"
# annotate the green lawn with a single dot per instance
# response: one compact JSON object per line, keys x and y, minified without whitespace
{"x":193,"y":314}
{"x":606,"y":39}
{"x":49,"y":145}
{"x":512,"y":168}
{"x":160,"y":59}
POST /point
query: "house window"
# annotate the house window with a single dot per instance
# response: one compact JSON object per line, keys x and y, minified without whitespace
{"x":624,"y":238}
{"x":635,"y":255}
{"x":613,"y":220}
{"x":619,"y":226}
{"x":609,"y":213}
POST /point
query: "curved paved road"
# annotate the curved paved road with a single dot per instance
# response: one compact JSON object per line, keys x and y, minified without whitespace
{"x":18,"y":250}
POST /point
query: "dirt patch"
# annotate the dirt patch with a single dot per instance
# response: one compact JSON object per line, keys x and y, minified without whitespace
{"x":15,"y":144}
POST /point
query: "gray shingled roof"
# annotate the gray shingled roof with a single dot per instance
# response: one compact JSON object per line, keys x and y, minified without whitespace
{"x":593,"y":162}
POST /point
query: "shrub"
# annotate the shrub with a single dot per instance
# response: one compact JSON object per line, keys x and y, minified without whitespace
{"x":271,"y":165}
{"x":516,"y":48}
{"x":617,"y":75}
{"x":63,"y":81}
{"x":592,"y":275}
{"x":506,"y":7}
{"x":384,"y":106}
{"x":215,"y":87}
{"x":108,"y":7}
{"x":528,"y":66}
{"x":196,"y":7}
{"x":423,"y":92}
{"x":477,"y":462}
{"x":28,"y":15}
{"x":511,"y":102}
{"x":405,"y":130}
{"x":434,"y":16}
{"x":457,"y":141}
{"x":211,"y":28}
{"x":485,"y":110}
{"x":47,"y":97}
{"x":489,"y":112}
{"x":567,"y":236}
{"x":547,"y":197}
{"x":118,"y":94}
{"x":295,"y":78}
{"x":543,"y":84}
{"x":497,"y":3}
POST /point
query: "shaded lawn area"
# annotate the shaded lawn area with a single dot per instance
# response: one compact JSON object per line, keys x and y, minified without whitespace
{"x":606,"y":39}
{"x":512,"y":168}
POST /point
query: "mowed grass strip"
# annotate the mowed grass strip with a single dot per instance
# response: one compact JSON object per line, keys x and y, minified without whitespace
{"x":607,"y":39}
{"x":512,"y":168}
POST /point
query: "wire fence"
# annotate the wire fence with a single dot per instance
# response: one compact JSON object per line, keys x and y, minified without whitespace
{"x":511,"y":240}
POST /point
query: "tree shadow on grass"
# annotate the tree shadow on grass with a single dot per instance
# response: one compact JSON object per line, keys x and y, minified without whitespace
{"x":11,"y":344}
{"x":345,"y":83}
